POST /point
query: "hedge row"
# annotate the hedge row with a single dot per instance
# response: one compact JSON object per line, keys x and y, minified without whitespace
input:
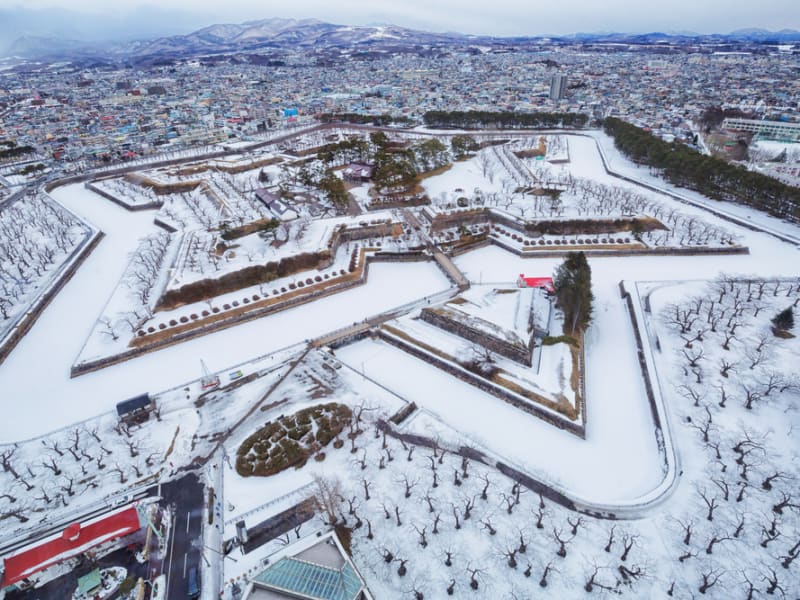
{"x":252,"y":275}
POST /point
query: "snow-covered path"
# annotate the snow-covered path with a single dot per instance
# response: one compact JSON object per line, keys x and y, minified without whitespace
{"x":38,"y":391}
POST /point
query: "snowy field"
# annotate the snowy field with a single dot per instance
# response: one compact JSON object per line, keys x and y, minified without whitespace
{"x":74,"y":311}
{"x":730,"y":525}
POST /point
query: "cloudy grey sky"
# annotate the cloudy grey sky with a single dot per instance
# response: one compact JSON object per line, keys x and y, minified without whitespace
{"x":500,"y":17}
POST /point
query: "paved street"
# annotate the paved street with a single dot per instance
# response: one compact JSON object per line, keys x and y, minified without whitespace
{"x":185,"y":496}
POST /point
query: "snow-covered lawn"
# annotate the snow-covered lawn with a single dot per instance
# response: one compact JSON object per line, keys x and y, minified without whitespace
{"x":50,"y":479}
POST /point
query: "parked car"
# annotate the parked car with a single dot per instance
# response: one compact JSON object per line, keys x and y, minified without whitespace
{"x":193,"y":589}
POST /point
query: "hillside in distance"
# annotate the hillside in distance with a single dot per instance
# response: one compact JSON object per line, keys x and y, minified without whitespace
{"x":284,"y":33}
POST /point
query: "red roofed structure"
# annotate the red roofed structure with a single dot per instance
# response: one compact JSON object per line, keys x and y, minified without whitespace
{"x":75,"y":539}
{"x":546,"y":283}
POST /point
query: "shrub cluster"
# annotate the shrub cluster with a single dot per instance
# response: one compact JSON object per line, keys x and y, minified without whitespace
{"x":291,"y":440}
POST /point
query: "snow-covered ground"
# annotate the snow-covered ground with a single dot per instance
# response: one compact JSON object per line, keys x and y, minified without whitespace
{"x":618,"y":463}
{"x":38,"y":238}
{"x":622,"y":165}
{"x":74,"y":311}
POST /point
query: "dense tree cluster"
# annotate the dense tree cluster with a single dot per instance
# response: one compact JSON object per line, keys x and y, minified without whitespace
{"x":573,"y":284}
{"x":712,"y":177}
{"x":478,"y":119}
{"x":350,"y":149}
{"x":11,"y":150}
{"x":396,"y":169}
{"x":333,"y":187}
{"x":713,"y":116}
{"x":359,"y":119}
{"x":291,"y":439}
{"x":463,"y":146}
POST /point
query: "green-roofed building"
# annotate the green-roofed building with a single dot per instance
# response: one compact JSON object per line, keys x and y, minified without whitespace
{"x":89,"y":582}
{"x":321,"y":571}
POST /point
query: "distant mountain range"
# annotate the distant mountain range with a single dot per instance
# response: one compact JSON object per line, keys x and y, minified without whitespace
{"x":278,"y":33}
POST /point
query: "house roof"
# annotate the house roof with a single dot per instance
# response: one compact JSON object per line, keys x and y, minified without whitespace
{"x":133,"y":404}
{"x":537,"y":282}
{"x":358,"y":170}
{"x":73,"y":540}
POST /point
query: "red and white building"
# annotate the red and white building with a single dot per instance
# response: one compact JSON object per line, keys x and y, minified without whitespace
{"x":73,"y":541}
{"x":545,"y":283}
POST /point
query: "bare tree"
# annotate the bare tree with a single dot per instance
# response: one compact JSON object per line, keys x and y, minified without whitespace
{"x":562,"y":543}
{"x":710,"y":579}
{"x":710,"y":503}
{"x":328,"y":496}
{"x":628,"y":541}
{"x":786,"y":502}
{"x":545,"y":572}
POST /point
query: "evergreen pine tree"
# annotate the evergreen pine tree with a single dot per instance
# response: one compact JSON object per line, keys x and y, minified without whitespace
{"x":784,"y":320}
{"x":573,"y":285}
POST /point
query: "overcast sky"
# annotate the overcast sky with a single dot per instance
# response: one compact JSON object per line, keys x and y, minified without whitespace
{"x":499,"y":17}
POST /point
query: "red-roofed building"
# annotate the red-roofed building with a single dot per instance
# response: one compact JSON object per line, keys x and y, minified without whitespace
{"x":75,"y":539}
{"x":546,"y":283}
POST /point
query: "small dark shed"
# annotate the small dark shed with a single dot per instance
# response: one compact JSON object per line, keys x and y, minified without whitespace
{"x":135,"y":410}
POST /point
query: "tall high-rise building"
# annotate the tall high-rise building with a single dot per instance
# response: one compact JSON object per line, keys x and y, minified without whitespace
{"x":558,"y":86}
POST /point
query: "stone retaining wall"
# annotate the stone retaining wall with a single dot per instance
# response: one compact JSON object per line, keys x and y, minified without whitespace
{"x":589,"y":251}
{"x":443,"y":221}
{"x":648,"y":386}
{"x":102,"y":363}
{"x":119,"y":201}
{"x":516,"y":353}
{"x":485,"y":386}
{"x":94,"y":365}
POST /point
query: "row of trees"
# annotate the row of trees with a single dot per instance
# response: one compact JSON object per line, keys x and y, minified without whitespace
{"x":480,"y":119}
{"x":712,"y":177}
{"x":14,"y":151}
{"x":359,"y":119}
{"x":35,"y":234}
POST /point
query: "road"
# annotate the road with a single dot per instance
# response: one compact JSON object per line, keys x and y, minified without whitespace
{"x":185,"y":496}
